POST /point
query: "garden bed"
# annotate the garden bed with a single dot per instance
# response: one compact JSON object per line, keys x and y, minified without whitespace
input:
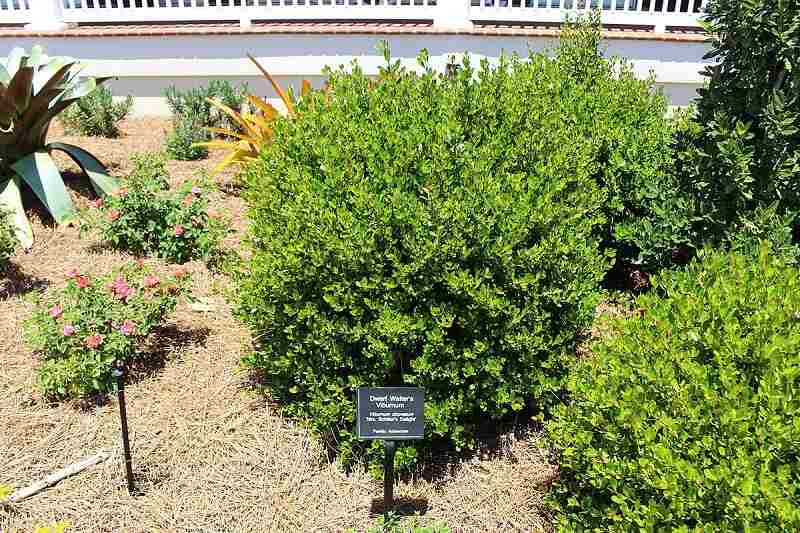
{"x":209,"y":454}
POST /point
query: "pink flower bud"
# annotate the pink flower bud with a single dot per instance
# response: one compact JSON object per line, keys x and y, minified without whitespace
{"x":113,"y":215}
{"x":69,"y":329}
{"x":196,"y":190}
{"x":96,"y":203}
{"x":151,"y":281}
{"x":55,"y":311}
{"x":94,"y":341}
{"x":188,"y":199}
{"x":180,"y":272}
{"x":127,"y":328}
{"x":179,"y":230}
{"x":82,"y":282}
{"x":73,"y":273}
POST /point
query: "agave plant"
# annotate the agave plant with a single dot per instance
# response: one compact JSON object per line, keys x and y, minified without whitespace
{"x":256,"y":127}
{"x":34,"y":89}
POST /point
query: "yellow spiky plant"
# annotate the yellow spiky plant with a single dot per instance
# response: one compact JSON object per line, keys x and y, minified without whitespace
{"x":245,"y":145}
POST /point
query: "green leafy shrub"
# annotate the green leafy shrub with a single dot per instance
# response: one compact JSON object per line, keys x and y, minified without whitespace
{"x":146,"y":217}
{"x":424,"y":230}
{"x":80,"y":332}
{"x":96,"y":114}
{"x":182,"y":141}
{"x":622,"y":121}
{"x":743,"y":150}
{"x":687,"y":418}
{"x":8,"y":239}
{"x":194,"y":104}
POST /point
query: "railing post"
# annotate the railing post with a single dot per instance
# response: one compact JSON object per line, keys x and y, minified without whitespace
{"x":453,"y":15}
{"x":46,"y":15}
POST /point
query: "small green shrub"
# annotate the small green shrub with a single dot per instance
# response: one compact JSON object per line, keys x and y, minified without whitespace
{"x":8,"y":239}
{"x":96,"y":114}
{"x":80,"y":332}
{"x":425,"y":230}
{"x":193,"y":104}
{"x":687,"y":418}
{"x":146,"y":217}
{"x":182,"y":140}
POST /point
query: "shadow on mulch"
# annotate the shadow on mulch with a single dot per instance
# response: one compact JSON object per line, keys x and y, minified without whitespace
{"x":400,"y":507}
{"x":166,"y":341}
{"x":18,"y":283}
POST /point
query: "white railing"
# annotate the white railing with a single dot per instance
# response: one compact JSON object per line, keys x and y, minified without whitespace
{"x":237,"y":10}
{"x":56,"y":14}
{"x":656,"y":13}
{"x":14,"y":11}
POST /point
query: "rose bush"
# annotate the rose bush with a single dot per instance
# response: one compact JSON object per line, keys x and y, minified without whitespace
{"x":80,"y":332}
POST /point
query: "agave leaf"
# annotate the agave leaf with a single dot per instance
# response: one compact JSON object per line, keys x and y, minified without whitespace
{"x":5,"y":77}
{"x":19,"y":89}
{"x":14,"y":60}
{"x":40,"y":172}
{"x":51,"y":75}
{"x":102,"y":183}
{"x":37,"y":57}
{"x":286,"y":100}
{"x":11,"y":200}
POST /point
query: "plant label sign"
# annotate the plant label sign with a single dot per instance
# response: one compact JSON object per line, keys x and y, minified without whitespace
{"x":391,"y":413}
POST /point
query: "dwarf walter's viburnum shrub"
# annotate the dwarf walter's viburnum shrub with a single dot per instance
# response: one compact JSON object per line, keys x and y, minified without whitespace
{"x":80,"y":332}
{"x":422,"y":230}
{"x":146,"y":217}
{"x":687,"y":418}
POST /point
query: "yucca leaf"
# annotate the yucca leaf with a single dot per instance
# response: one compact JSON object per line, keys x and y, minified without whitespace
{"x":19,"y":89}
{"x":265,"y":107}
{"x":286,"y":100}
{"x":11,"y":200}
{"x":234,"y":115}
{"x":305,"y":88}
{"x":102,"y":183}
{"x":5,"y":77}
{"x":218,"y":145}
{"x":40,"y":172}
{"x":227,"y":133}
{"x":37,"y":57}
{"x":233,"y":157}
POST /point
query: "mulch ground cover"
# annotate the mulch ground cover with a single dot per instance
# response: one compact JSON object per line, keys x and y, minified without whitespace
{"x":210,"y":454}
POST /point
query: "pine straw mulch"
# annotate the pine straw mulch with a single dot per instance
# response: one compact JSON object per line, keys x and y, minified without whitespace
{"x":209,"y":454}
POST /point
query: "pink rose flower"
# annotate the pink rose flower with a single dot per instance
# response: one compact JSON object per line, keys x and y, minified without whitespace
{"x":69,"y":329}
{"x":179,"y":230}
{"x":55,"y":311}
{"x":151,"y":281}
{"x":127,"y":328}
{"x":73,"y":273}
{"x":113,"y":215}
{"x":82,"y":282}
{"x":120,"y":288}
{"x":97,"y":204}
{"x":94,"y":341}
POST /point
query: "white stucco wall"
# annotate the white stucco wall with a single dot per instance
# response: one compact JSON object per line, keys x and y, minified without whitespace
{"x":146,"y":65}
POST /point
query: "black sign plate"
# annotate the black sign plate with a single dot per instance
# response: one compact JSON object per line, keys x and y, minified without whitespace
{"x":391,"y":413}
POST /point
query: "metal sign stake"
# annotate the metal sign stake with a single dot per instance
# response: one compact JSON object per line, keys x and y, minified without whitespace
{"x":388,"y":477}
{"x":119,"y":373}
